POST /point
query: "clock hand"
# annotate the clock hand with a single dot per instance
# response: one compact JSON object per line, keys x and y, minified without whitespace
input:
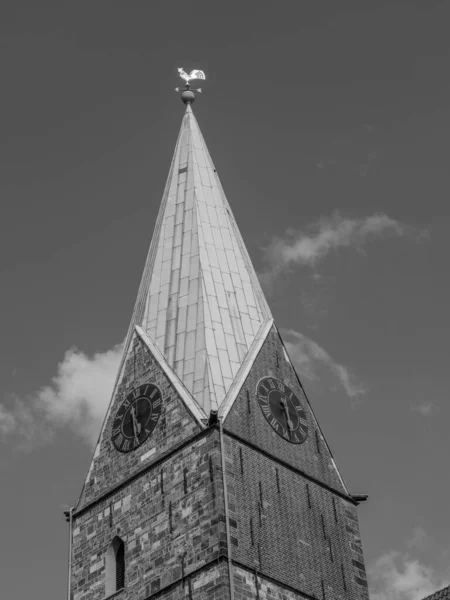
{"x":136,"y":425}
{"x":286,"y":412}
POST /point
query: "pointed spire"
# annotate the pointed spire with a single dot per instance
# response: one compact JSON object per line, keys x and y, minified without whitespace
{"x":199,"y":300}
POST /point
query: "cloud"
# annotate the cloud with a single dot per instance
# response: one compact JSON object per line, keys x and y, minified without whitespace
{"x":77,"y":397}
{"x":327,"y":235}
{"x":419,"y":539}
{"x":310,"y":359}
{"x":8,"y":421}
{"x":397,"y":576}
{"x":427,"y":409}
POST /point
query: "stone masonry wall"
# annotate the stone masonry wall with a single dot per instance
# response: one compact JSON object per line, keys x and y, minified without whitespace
{"x":175,"y":424}
{"x":171,"y":520}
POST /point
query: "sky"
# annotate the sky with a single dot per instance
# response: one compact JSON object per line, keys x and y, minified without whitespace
{"x":328,"y":124}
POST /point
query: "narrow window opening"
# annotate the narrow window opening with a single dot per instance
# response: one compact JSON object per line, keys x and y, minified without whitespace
{"x":170,"y":518}
{"x":335,"y":510}
{"x":115,"y":567}
{"x":185,"y":480}
{"x":344,"y":583}
{"x":241,"y":457}
{"x":248,"y":403}
{"x":211,"y":469}
{"x":323,"y":527}
{"x":256,"y":584}
{"x":309,"y":496}
{"x":317,"y":441}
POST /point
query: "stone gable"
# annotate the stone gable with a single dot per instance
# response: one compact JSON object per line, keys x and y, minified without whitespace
{"x":109,"y":467}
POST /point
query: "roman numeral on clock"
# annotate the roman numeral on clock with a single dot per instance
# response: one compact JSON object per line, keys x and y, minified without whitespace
{"x":119,"y":440}
{"x":274,"y":423}
{"x":266,"y":410}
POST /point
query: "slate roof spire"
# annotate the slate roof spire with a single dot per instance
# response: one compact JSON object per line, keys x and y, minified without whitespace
{"x":199,"y":300}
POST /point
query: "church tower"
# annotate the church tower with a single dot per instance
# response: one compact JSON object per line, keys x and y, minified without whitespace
{"x":211,"y":478}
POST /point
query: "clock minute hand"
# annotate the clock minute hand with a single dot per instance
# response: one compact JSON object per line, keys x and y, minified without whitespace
{"x":286,"y":412}
{"x":136,"y":425}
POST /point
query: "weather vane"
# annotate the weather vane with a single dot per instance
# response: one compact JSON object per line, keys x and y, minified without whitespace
{"x":188,"y":95}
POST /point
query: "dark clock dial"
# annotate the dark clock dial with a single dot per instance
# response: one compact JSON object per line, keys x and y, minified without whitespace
{"x":136,"y":417}
{"x":282,"y":409}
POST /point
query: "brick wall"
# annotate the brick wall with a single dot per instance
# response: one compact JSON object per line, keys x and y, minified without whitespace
{"x":286,"y":525}
{"x":291,"y":529}
{"x":247,"y":420}
{"x":175,"y":424}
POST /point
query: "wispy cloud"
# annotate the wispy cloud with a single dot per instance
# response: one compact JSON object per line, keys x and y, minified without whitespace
{"x":309,"y":247}
{"x":419,"y":539}
{"x":426,"y":409}
{"x":310,"y":360}
{"x":398,"y":576}
{"x":77,"y":397}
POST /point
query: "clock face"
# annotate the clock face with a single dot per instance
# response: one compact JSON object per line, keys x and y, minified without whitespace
{"x":136,"y":417}
{"x":282,"y":409}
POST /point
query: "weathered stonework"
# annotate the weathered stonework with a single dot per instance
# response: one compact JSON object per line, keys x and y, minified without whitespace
{"x":109,"y":468}
{"x":293,"y":528}
{"x":171,"y":520}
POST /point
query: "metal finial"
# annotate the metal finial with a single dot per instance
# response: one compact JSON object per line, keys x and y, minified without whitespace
{"x":188,"y":95}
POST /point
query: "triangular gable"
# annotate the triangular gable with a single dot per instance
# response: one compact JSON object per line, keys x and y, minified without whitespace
{"x":244,"y":418}
{"x":180,"y":419}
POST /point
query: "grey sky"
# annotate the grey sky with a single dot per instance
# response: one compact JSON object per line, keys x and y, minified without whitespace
{"x":317,"y":121}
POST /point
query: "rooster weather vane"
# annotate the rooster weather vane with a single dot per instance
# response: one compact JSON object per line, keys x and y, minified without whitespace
{"x":187,"y":96}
